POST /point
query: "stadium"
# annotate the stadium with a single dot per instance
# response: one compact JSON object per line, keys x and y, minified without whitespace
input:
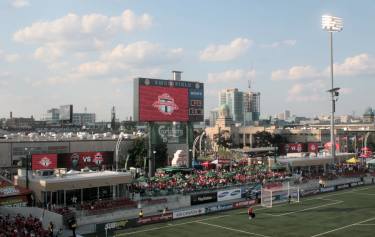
{"x":82,"y":189}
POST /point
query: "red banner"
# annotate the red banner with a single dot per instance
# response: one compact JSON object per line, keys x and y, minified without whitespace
{"x":294,"y":147}
{"x":243,"y":203}
{"x":163,"y":103}
{"x":313,"y":147}
{"x":80,"y":160}
{"x":44,"y":161}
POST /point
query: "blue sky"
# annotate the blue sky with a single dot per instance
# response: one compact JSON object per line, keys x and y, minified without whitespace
{"x":86,"y":53}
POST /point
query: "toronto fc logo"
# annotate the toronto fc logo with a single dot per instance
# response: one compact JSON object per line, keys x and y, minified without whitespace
{"x":98,"y":159}
{"x":45,"y":162}
{"x":165,"y":104}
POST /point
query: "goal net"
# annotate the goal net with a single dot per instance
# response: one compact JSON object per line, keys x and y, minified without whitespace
{"x":279,"y":194}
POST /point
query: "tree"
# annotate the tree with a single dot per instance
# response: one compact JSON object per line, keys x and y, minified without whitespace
{"x":266,"y":139}
{"x":161,"y":155}
{"x":262,"y":139}
{"x":138,"y":152}
{"x":224,"y":139}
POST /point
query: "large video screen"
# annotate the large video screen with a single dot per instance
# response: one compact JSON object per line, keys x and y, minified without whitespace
{"x":166,"y":100}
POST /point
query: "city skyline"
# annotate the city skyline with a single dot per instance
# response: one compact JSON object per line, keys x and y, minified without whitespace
{"x":73,"y":52}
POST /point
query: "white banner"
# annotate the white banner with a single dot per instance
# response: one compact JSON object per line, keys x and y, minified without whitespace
{"x":229,"y":194}
{"x":190,"y":212}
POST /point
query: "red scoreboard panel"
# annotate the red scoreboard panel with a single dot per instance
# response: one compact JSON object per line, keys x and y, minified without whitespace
{"x":158,"y":100}
{"x":163,"y":103}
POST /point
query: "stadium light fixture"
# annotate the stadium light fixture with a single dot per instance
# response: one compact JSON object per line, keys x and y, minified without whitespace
{"x":332,"y":24}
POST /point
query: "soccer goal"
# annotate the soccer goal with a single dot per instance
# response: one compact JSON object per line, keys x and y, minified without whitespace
{"x":279,"y":194}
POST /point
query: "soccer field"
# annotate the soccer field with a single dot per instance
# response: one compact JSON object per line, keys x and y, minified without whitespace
{"x":349,"y":212}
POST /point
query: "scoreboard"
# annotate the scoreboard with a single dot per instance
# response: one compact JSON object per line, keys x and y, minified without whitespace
{"x":157,"y":100}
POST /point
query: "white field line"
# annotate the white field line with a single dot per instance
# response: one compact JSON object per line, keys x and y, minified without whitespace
{"x":227,"y":228}
{"x":368,"y":194}
{"x":344,"y":227}
{"x":366,"y":224}
{"x":169,"y":225}
{"x":306,"y":209}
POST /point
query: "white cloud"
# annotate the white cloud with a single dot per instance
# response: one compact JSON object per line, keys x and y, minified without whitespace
{"x":295,"y":73}
{"x":48,"y":53}
{"x":278,"y":44}
{"x":307,"y":92}
{"x":358,"y":65}
{"x":226,"y":52}
{"x":362,"y":64}
{"x":231,"y":76}
{"x":80,"y":33}
{"x":143,"y":52}
{"x":20,"y":3}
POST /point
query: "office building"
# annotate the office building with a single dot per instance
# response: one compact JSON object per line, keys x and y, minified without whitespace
{"x":82,"y":119}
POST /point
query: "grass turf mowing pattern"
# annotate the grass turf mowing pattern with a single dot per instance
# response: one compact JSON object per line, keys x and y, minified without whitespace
{"x":341,"y":214}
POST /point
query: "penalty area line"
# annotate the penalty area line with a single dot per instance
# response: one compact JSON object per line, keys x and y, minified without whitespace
{"x":228,"y":228}
{"x":306,"y":209}
{"x":344,"y":227}
{"x":169,"y":225}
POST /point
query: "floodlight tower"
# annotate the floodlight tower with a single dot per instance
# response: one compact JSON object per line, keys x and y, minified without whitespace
{"x":332,"y":24}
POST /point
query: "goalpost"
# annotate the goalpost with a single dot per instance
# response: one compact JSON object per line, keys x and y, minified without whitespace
{"x":280,"y":194}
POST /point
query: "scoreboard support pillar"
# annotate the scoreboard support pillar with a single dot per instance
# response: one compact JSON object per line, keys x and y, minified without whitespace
{"x":151,"y":155}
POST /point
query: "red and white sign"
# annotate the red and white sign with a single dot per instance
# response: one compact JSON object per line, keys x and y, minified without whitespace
{"x":294,"y":148}
{"x":44,"y":161}
{"x":313,"y":147}
{"x":163,"y":103}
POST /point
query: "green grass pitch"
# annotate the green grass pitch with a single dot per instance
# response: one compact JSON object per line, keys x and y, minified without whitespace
{"x":349,"y":213}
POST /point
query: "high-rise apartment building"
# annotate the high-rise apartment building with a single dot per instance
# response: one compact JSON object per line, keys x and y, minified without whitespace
{"x":244,"y":107}
{"x":251,"y":106}
{"x":234,"y":99}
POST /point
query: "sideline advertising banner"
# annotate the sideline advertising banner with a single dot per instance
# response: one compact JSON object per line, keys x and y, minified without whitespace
{"x":229,"y":194}
{"x":187,"y":213}
{"x":116,"y":225}
{"x":327,"y":189}
{"x":244,"y":203}
{"x":197,"y":199}
{"x":155,"y":219}
{"x":219,"y":207}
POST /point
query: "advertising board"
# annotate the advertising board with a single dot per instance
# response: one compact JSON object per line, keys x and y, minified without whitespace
{"x":229,"y":194}
{"x":80,"y":160}
{"x":43,"y":161}
{"x":219,"y":207}
{"x":294,"y":147}
{"x":313,"y":147}
{"x":305,"y":193}
{"x":327,"y":189}
{"x":168,"y":133}
{"x":197,"y":199}
{"x":116,"y":225}
{"x":155,"y":219}
{"x":157,"y":100}
{"x":187,"y":213}
{"x":342,"y":186}
{"x":243,"y":203}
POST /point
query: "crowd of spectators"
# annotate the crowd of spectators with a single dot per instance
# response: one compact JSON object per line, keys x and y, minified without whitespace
{"x":205,"y":179}
{"x":106,"y":205}
{"x":20,"y":226}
